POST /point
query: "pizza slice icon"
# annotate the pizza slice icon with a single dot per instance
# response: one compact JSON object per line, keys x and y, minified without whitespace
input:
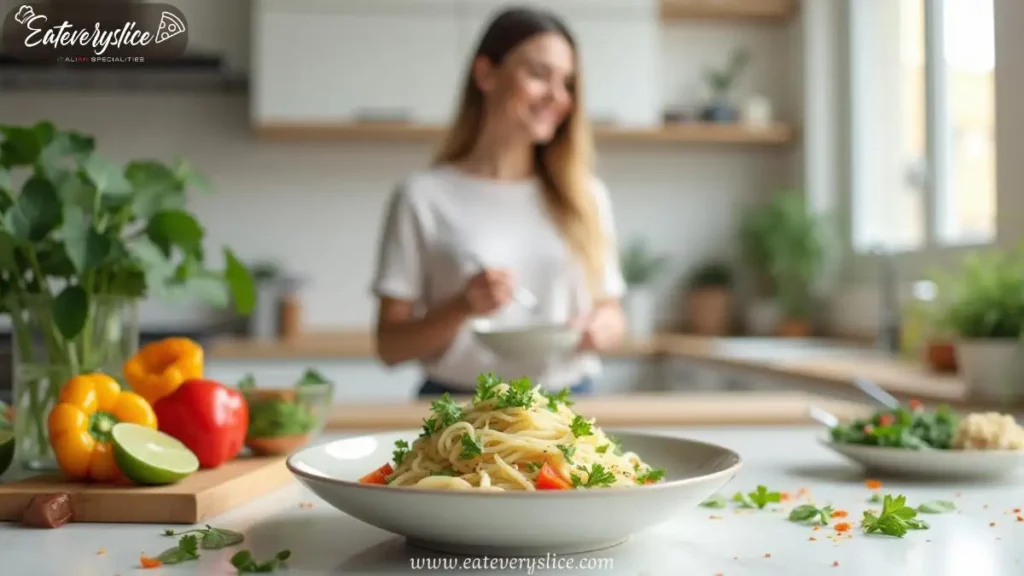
{"x":170,"y":26}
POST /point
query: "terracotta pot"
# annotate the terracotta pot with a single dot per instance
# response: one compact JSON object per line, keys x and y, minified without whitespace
{"x":793,"y":328}
{"x":941,"y":356}
{"x":711,"y":311}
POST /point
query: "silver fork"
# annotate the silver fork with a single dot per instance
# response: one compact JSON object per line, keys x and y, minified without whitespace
{"x":521,"y":295}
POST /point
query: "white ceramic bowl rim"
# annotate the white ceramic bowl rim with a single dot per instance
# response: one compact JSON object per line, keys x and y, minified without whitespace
{"x":826,"y":439}
{"x":731,"y":470}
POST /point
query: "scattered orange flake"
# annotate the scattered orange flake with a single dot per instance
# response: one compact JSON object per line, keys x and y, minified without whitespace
{"x":816,"y":528}
{"x":915,"y":404}
{"x":713,"y":517}
{"x":835,"y":564}
{"x":1020,"y":518}
{"x":767,"y":555}
{"x":812,"y":539}
{"x":991,"y":524}
{"x":802,"y":492}
{"x":873,"y":484}
{"x":840,"y":514}
{"x":147,"y":562}
{"x":784,"y":496}
{"x":1016,"y":510}
{"x":718,"y":574}
{"x":842,"y":527}
{"x":305,"y":504}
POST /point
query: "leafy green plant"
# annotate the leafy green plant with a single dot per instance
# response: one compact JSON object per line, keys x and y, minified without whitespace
{"x":985,"y":298}
{"x":785,"y":244}
{"x":722,"y":80}
{"x":79,"y":228}
{"x":640,"y":264}
{"x":711,"y":275}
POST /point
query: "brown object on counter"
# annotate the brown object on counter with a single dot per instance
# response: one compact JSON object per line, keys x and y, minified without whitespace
{"x":205,"y":494}
{"x":711,"y":311}
{"x":291,"y":316}
{"x":942,"y":356}
{"x":793,"y":328}
{"x":48,"y":511}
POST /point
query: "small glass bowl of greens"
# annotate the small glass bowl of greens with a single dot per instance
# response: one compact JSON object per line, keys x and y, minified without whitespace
{"x":282,"y":420}
{"x":908,"y":427}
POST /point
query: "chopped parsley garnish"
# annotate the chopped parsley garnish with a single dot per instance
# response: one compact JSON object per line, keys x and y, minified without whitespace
{"x":603,"y":448}
{"x":876,"y":498}
{"x":554,"y":399}
{"x":597,"y":476}
{"x":401,"y":449}
{"x":651,"y":476}
{"x":519,"y":394}
{"x":896,"y":518}
{"x":445,"y":413}
{"x":471,"y":447}
{"x":567,"y":451}
{"x":533,"y":466}
{"x":486,"y":385}
{"x":580,"y":427}
{"x":936,"y":507}
{"x":809,"y":512}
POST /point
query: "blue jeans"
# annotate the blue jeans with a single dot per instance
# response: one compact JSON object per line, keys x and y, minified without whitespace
{"x":431,"y":388}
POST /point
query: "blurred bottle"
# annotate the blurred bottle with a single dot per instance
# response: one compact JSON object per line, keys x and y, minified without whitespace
{"x":918,"y":319}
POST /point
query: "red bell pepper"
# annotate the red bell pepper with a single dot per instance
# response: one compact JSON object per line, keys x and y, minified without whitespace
{"x":207,"y":417}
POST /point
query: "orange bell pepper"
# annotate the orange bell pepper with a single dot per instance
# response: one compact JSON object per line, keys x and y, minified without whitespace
{"x":80,"y":424}
{"x":160,"y":367}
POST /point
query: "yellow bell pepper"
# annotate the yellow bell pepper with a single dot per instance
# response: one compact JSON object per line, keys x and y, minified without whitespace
{"x":160,"y":367}
{"x":80,"y":424}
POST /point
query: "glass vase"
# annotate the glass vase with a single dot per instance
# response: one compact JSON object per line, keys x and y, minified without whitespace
{"x":44,"y":361}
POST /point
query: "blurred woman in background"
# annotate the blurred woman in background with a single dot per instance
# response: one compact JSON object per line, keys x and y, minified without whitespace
{"x":510,"y":203}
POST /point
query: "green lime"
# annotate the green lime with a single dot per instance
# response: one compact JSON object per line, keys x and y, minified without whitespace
{"x":148,"y":456}
{"x":6,"y":450}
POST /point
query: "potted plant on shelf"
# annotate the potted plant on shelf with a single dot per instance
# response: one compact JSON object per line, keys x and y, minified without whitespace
{"x":640,"y":267}
{"x":721,"y":108}
{"x":709,"y":299}
{"x":82,"y":240}
{"x":984,"y":308}
{"x":784,"y":243}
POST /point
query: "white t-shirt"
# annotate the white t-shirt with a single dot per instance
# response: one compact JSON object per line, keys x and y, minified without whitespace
{"x":436,"y":215}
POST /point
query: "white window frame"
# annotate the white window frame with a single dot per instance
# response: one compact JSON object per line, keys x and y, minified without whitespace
{"x":939,"y":128}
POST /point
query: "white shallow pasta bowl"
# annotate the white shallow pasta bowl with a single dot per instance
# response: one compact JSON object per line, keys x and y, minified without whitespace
{"x":933,"y":464}
{"x":515,"y":523}
{"x":528,"y":342}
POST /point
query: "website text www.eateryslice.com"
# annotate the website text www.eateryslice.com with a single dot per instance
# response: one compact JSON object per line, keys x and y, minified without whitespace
{"x":527,"y":565}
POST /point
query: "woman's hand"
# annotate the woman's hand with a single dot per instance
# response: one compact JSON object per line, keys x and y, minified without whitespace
{"x":603,"y":328}
{"x":487,"y":291}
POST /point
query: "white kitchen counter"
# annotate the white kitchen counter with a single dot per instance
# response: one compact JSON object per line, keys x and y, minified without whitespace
{"x":982,"y":539}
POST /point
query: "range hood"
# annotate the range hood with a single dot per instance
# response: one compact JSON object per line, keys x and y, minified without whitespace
{"x":190,"y":73}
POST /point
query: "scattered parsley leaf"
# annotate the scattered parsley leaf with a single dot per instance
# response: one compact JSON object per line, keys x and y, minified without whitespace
{"x":808,"y":512}
{"x":446,"y":410}
{"x":186,"y":550}
{"x":937,"y":507}
{"x":429,"y":427}
{"x":485,"y":387}
{"x":471,"y":447}
{"x":247,"y":382}
{"x":876,"y":498}
{"x":762,"y":497}
{"x":580,"y":427}
{"x":401,"y":449}
{"x":211,"y":538}
{"x":603,"y":448}
{"x":555,"y":399}
{"x":597,"y":476}
{"x":533,"y":466}
{"x":519,"y":394}
{"x":651,"y":476}
{"x":742,"y":499}
{"x":895,"y":519}
{"x":245,"y":563}
{"x":567,"y":451}
{"x":715,"y":501}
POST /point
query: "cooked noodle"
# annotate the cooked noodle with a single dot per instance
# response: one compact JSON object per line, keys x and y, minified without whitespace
{"x":504,"y":437}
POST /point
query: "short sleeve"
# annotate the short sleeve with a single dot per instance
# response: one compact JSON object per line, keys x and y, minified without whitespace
{"x":614,"y":284}
{"x":399,"y":270}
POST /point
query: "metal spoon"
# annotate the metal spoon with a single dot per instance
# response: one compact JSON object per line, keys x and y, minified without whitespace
{"x":822,"y":416}
{"x":521,"y":295}
{"x":876,"y":392}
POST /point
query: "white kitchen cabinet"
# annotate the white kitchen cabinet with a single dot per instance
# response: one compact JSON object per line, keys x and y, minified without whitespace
{"x":619,"y":49}
{"x":330,"y":61}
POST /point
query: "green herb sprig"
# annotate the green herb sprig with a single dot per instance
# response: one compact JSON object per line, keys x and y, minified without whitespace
{"x":652,"y":476}
{"x":715,"y":501}
{"x":245,"y":563}
{"x":186,"y":551}
{"x":401,"y":450}
{"x":759,"y":498}
{"x":211,"y":538}
{"x":810,"y":512}
{"x":561,"y":397}
{"x":580,"y":427}
{"x":597,"y":476}
{"x":471,"y":447}
{"x":895,"y":519}
{"x":519,"y":394}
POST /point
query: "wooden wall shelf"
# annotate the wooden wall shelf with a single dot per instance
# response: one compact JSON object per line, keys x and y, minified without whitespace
{"x":696,"y":133}
{"x":757,"y":10}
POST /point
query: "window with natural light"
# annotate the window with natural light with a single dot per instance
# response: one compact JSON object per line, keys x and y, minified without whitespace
{"x":923,"y":124}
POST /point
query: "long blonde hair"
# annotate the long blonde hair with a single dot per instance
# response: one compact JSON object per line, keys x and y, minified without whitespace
{"x":563,"y":164}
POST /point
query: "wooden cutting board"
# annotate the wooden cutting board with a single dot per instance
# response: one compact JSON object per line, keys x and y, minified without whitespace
{"x":205,"y":494}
